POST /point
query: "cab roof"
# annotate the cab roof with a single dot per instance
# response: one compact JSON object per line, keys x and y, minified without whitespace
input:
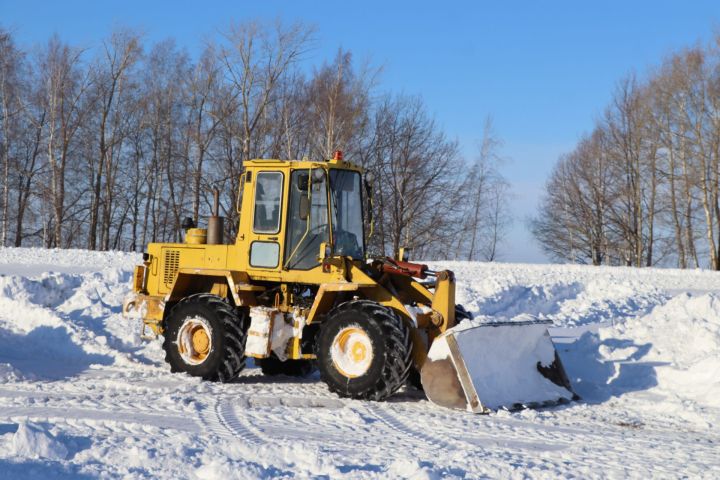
{"x":300,"y":164}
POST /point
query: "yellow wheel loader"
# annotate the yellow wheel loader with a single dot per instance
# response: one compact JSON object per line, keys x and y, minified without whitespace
{"x":296,"y":290}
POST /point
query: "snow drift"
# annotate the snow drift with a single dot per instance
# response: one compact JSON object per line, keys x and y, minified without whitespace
{"x":673,"y":352}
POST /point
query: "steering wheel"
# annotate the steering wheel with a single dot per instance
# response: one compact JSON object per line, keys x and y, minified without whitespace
{"x":347,"y":243}
{"x":319,"y":229}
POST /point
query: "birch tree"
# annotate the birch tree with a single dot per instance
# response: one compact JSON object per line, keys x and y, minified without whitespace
{"x":65,"y":84}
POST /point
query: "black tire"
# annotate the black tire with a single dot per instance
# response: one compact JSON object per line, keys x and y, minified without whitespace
{"x":226,"y":357}
{"x":273,"y":366}
{"x":391,"y":350}
{"x":414,"y":379}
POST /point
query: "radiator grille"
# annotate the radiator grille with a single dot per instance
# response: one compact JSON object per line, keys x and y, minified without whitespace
{"x":172,"y":262}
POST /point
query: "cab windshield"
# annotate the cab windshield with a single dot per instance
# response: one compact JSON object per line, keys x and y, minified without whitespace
{"x":346,"y":213}
{"x":307,"y":225}
{"x":314,"y":204}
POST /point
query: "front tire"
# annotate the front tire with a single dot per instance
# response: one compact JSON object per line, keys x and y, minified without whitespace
{"x":204,"y":336}
{"x":364,"y":351}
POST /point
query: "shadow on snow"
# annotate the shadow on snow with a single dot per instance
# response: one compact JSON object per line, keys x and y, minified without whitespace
{"x":47,"y":353}
{"x":597,"y":379}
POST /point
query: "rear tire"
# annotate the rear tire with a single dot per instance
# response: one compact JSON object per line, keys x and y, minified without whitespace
{"x":364,"y":351}
{"x":218,"y":354}
{"x":273,"y":366}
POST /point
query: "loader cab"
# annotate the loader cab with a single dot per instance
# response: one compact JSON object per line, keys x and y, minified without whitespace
{"x":288,"y":210}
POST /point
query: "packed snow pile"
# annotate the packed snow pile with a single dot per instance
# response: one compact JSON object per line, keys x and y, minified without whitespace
{"x":673,"y":352}
{"x":82,"y":395}
{"x":571,"y":295}
{"x":34,"y":441}
{"x":38,"y":260}
{"x":59,"y":313}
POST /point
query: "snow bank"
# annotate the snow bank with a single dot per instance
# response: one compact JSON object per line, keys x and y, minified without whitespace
{"x":652,"y":334}
{"x":671,"y":355}
{"x":570,"y":295}
{"x":8,"y":373}
{"x":276,"y":460}
{"x":28,"y":261}
{"x":60,"y":313}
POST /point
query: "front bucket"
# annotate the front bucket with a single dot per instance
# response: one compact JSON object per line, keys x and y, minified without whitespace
{"x":486,"y":366}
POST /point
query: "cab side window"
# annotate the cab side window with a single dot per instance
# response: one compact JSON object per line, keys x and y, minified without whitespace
{"x":268,"y":200}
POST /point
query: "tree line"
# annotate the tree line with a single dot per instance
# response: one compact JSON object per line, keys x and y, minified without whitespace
{"x":643,"y":188}
{"x":112,"y":147}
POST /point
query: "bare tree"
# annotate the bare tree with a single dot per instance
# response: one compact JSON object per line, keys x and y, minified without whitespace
{"x":208,"y":106}
{"x":486,"y":215}
{"x":111,"y":147}
{"x":574,"y":217}
{"x":661,"y":143}
{"x":255,"y":58}
{"x":29,"y":159}
{"x":10,"y":109}
{"x":65,"y":85}
{"x":414,"y":166}
{"x":338,"y":106}
{"x":110,"y":76}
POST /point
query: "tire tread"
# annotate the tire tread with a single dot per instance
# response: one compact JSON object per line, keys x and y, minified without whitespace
{"x":398,"y":348}
{"x":233,"y":331}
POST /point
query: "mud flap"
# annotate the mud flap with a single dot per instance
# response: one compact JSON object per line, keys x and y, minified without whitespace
{"x":481,"y":367}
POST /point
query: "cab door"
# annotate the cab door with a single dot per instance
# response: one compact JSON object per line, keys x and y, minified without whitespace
{"x":264,"y":251}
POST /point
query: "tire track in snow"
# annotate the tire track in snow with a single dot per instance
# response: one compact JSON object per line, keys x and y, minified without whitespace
{"x":111,"y":419}
{"x":283,"y":419}
{"x":443,"y":438}
{"x":259,"y":424}
{"x":102,"y":401}
{"x":613,"y":434}
{"x":265,"y":420}
{"x":615,"y":456}
{"x":503,"y":445}
{"x":512,"y":440}
{"x":621,"y":449}
{"x":225,"y":422}
{"x":399,"y":427}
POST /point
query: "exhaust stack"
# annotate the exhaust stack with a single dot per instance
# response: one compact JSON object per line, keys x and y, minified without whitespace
{"x":215,"y":222}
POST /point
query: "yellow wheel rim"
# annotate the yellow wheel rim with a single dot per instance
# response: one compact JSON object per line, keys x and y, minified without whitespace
{"x":194,"y":340}
{"x":352,"y":352}
{"x":201,"y":342}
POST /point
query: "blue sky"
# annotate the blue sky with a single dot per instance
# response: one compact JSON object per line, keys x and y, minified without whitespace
{"x":543,"y":70}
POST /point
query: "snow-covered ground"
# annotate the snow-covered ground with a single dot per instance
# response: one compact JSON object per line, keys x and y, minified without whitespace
{"x":81,"y":395}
